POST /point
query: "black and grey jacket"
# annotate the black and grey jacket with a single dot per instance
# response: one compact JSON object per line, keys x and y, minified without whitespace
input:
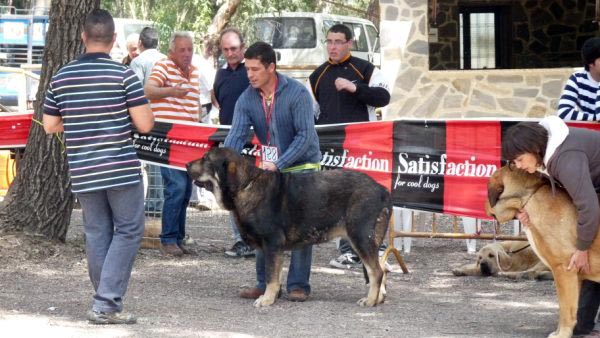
{"x":342,"y":106}
{"x":573,"y":159}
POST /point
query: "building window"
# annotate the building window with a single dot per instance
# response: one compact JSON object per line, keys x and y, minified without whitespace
{"x":483,"y":38}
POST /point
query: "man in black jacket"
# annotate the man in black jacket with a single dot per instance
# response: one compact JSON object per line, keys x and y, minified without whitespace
{"x":347,"y":89}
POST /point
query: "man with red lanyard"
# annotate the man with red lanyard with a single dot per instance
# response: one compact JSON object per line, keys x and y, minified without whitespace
{"x":280,"y":111}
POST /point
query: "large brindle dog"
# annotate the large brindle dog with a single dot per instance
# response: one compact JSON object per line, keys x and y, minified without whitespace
{"x":277,"y":212}
{"x":552,"y":233}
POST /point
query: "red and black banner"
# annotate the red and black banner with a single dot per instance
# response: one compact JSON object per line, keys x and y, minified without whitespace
{"x":14,"y":129}
{"x":440,"y":165}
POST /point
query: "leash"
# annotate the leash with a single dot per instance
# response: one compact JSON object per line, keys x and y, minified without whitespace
{"x":530,"y":196}
{"x":516,"y":251}
{"x":509,"y":253}
{"x":60,"y":140}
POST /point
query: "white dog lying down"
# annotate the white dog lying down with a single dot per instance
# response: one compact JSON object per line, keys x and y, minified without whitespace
{"x":512,"y":259}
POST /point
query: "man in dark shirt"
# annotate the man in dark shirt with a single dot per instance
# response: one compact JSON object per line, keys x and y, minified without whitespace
{"x":230,"y":82}
{"x":347,"y":89}
{"x":232,"y":79}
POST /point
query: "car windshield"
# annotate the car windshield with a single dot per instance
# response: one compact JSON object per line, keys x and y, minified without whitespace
{"x":286,"y":32}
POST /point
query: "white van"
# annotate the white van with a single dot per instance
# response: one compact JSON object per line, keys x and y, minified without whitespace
{"x":124,"y":27}
{"x":299,"y":39}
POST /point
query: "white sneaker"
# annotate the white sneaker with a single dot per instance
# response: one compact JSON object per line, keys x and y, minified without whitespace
{"x":346,"y":261}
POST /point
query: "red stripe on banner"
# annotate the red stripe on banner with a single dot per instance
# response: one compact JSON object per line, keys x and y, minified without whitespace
{"x":368,"y":148}
{"x":473,"y":154}
{"x":586,"y":125}
{"x":188,"y":143}
{"x":14,"y":129}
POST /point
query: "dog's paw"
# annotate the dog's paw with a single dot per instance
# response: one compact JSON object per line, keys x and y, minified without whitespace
{"x":366,"y":302}
{"x":263,"y":301}
{"x":458,"y":272}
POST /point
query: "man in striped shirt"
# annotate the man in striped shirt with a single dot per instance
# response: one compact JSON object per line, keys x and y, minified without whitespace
{"x":94,"y":101}
{"x":580,"y":100}
{"x":173,"y":89}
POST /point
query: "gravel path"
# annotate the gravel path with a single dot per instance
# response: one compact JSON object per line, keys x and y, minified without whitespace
{"x":45,"y":292}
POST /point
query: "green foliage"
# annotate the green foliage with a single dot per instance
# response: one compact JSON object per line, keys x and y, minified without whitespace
{"x":197,"y":15}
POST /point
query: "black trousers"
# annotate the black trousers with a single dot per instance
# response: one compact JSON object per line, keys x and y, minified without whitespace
{"x":589,"y":301}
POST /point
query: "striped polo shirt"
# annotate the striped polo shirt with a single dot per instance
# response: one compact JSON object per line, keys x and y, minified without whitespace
{"x":580,"y":100}
{"x":92,"y":95}
{"x":166,"y":74}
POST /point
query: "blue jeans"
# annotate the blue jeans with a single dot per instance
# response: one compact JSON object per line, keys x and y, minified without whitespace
{"x":114,"y":225}
{"x":154,"y":192}
{"x":178,"y":189}
{"x":299,"y":272}
{"x":298,"y":275}
{"x":237,"y":237}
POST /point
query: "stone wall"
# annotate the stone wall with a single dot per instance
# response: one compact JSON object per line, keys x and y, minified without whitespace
{"x":542,"y":33}
{"x":420,"y":93}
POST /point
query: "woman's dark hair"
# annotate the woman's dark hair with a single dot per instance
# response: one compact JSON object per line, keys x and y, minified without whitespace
{"x":525,"y":137}
{"x":590,"y":52}
{"x":261,"y":51}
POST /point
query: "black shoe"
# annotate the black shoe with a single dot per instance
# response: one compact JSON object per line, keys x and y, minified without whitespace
{"x":240,"y":249}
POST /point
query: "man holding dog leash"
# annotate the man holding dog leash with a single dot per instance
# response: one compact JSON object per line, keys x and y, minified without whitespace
{"x":280,"y":111}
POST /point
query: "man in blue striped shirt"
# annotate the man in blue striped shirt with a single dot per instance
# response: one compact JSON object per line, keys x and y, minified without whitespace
{"x":94,"y":101}
{"x":280,"y":111}
{"x":580,"y":100}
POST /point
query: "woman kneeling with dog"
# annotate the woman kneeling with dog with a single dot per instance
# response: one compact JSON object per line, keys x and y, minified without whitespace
{"x":571,"y":158}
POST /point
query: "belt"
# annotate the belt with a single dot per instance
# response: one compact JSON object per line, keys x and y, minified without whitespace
{"x":305,"y":166}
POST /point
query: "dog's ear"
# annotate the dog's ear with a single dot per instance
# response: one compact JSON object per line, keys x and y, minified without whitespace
{"x":495,"y":187}
{"x":504,"y":260}
{"x":232,"y":179}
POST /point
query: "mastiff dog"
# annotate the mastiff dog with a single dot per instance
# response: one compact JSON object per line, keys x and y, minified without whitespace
{"x":552,"y":233}
{"x":511,"y":259}
{"x":281,"y":211}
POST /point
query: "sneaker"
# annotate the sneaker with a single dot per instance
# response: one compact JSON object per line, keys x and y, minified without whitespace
{"x":346,"y":260}
{"x":386,"y":266}
{"x":98,"y":317}
{"x":188,"y":240}
{"x":240,"y":249}
{"x":170,"y":250}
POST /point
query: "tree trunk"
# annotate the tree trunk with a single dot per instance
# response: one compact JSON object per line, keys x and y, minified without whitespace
{"x":220,"y":21}
{"x":373,"y":13}
{"x":222,"y":17}
{"x":40,"y":201}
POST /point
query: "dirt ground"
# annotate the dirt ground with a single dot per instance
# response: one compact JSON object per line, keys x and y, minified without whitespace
{"x":45,"y":292}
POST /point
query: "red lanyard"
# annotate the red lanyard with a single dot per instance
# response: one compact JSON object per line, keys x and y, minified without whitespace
{"x":269,"y":113}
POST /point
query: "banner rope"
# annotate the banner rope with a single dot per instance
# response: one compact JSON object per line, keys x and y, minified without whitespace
{"x":60,"y":140}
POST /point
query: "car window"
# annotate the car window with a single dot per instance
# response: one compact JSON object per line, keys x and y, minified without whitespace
{"x":286,"y":32}
{"x":373,"y":38}
{"x":360,"y":39}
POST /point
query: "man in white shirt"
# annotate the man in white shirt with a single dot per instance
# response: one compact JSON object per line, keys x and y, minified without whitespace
{"x":149,"y":55}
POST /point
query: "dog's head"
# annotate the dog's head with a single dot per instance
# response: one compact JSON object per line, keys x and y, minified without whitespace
{"x":492,"y":259}
{"x":223,"y":172}
{"x":506,"y":189}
